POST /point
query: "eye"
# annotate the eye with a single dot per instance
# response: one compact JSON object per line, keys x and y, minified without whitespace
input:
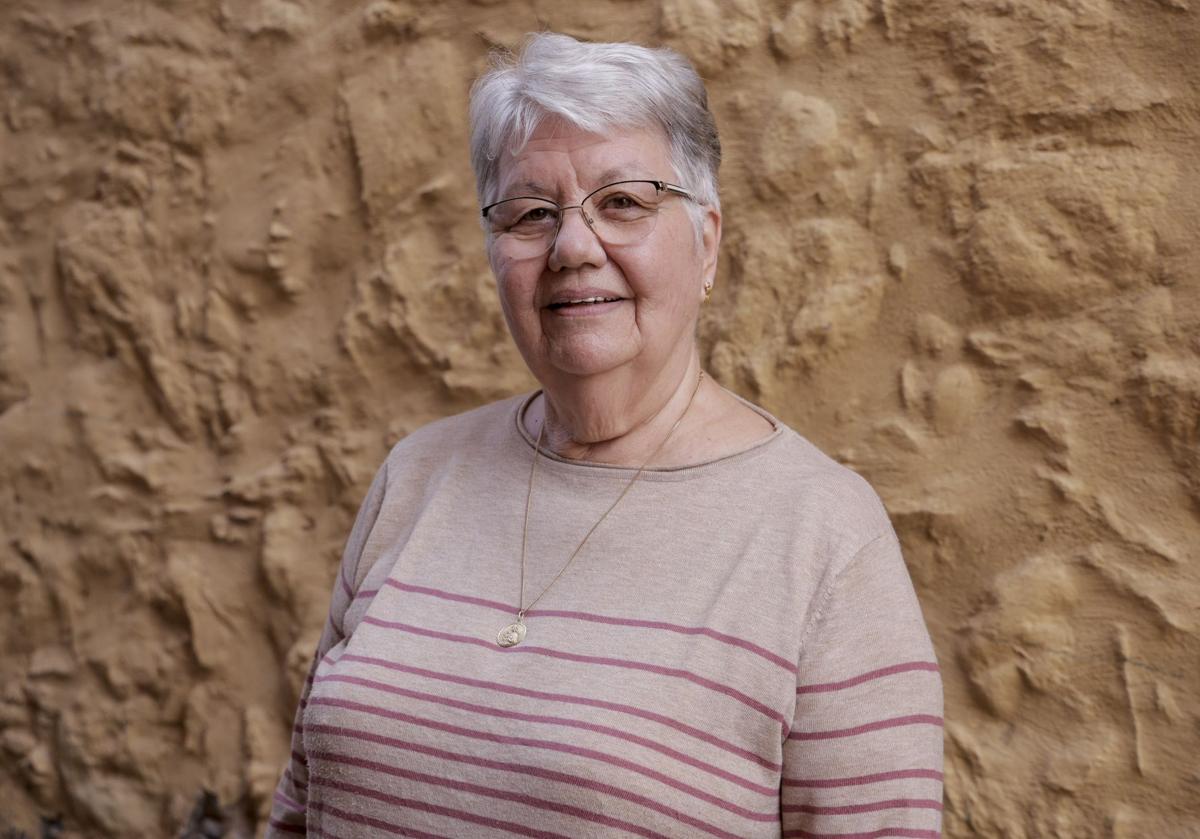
{"x":525,"y":217}
{"x":623,"y":206}
{"x":619,"y":201}
{"x":536,"y":215}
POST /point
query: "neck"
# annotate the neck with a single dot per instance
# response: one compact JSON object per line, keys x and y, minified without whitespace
{"x":608,"y":419}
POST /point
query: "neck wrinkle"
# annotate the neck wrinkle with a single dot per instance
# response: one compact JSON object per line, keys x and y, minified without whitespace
{"x":622,"y":438}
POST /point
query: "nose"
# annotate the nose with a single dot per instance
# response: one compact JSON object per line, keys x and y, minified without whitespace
{"x":576,"y":244}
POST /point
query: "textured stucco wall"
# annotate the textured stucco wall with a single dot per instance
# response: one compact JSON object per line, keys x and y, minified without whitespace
{"x":239,"y":257}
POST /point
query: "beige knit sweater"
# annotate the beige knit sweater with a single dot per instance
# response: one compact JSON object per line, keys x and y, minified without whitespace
{"x":736,"y":652}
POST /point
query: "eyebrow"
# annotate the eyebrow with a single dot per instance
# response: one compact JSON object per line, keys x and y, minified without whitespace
{"x":614,"y":174}
{"x":621,"y":173}
{"x":532,"y":188}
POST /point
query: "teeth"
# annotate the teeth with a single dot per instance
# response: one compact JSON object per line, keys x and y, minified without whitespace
{"x":592,"y":300}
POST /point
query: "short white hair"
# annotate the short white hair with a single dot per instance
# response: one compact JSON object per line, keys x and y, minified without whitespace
{"x":595,"y":88}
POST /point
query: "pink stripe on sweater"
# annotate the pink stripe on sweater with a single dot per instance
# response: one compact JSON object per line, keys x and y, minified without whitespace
{"x":337,"y":626}
{"x":561,"y":777}
{"x":408,"y":833}
{"x":870,"y":807}
{"x":867,"y":677}
{"x":463,"y":786}
{"x":294,"y":806}
{"x":591,"y":617}
{"x":424,"y":806}
{"x":285,"y":827}
{"x":550,"y":745}
{"x":372,"y":822}
{"x":673,"y":672}
{"x":325,"y":833}
{"x":905,"y":832}
{"x":895,"y":722}
{"x":618,"y":707}
{"x":563,"y":721}
{"x":830,"y":783}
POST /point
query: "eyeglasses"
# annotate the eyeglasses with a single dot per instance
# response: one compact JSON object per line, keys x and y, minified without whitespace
{"x":619,"y":213}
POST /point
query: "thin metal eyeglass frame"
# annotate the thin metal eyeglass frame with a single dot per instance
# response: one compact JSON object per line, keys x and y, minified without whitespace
{"x":659,"y":186}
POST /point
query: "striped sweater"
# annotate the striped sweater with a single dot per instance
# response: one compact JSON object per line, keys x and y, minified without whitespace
{"x":737,"y":652}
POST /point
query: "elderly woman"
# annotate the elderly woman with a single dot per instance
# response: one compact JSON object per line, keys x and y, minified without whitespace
{"x":630,"y":603}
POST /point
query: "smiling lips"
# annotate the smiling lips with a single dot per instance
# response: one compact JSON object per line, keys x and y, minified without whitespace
{"x":582,"y":299}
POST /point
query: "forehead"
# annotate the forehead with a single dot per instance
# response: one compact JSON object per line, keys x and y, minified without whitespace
{"x":560,"y":157}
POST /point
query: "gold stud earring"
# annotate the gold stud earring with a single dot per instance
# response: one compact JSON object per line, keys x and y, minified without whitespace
{"x":708,"y":287}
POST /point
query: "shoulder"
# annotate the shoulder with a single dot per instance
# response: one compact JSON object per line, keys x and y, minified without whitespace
{"x":837,"y":509}
{"x":446,"y":440}
{"x":817,"y":484}
{"x":843,"y":492}
{"x":418,"y":463}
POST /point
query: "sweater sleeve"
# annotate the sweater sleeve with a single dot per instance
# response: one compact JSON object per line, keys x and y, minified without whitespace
{"x":289,"y":806}
{"x":864,"y":755}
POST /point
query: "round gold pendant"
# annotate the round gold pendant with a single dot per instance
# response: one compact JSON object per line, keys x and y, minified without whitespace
{"x":511,"y":635}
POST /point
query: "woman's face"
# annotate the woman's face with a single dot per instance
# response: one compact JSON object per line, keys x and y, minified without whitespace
{"x":658,"y":281}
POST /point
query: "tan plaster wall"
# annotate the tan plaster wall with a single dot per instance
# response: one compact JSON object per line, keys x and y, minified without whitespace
{"x":239,"y":258}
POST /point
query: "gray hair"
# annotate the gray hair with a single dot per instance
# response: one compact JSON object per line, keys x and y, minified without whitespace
{"x":595,"y":87}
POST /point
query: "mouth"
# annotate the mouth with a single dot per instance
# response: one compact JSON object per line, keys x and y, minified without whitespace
{"x":581,"y":303}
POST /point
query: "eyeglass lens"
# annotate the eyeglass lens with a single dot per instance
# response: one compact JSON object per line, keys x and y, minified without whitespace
{"x":619,"y":214}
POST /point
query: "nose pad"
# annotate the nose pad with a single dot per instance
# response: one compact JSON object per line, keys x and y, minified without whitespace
{"x":562,"y":218}
{"x":577,"y":250}
{"x":588,"y":220}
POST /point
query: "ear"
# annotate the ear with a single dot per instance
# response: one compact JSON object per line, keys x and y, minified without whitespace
{"x":710,"y":245}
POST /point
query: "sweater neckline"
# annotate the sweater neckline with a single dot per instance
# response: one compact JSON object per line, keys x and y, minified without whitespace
{"x":683,"y":471}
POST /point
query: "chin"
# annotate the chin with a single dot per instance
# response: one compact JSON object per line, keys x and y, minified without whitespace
{"x":586,"y":358}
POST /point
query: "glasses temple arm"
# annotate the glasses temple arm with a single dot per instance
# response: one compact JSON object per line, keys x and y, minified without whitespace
{"x":663,"y":186}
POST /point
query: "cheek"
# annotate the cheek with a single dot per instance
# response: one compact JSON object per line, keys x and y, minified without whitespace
{"x":515,"y":292}
{"x":666,"y":280}
{"x":499,"y":265}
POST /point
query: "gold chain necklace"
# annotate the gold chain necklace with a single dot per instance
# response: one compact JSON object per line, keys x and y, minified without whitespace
{"x":514,"y":633}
